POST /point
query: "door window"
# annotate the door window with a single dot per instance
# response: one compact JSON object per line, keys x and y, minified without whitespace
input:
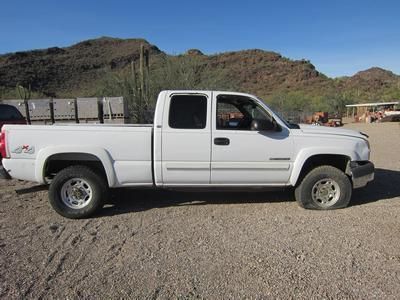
{"x":237,"y":113}
{"x":188,"y":112}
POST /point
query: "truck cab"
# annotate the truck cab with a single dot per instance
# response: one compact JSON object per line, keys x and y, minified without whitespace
{"x":220,"y":138}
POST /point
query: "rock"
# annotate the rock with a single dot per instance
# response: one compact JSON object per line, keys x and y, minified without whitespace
{"x":194,"y":52}
{"x":53,"y":227}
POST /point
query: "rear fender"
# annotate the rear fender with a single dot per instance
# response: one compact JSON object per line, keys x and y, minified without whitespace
{"x":103,"y":156}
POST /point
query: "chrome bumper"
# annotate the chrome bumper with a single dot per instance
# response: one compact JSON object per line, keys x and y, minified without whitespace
{"x":362,"y":172}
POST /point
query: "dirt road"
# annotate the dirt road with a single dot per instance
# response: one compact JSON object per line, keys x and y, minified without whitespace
{"x":148,"y":244}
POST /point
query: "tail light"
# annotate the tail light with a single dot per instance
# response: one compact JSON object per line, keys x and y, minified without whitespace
{"x":3,"y":145}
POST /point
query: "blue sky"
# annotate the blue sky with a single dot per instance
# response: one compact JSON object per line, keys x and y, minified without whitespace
{"x":339,"y":37}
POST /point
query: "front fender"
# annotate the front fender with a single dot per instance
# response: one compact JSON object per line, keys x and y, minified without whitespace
{"x":103,"y":156}
{"x":306,"y":153}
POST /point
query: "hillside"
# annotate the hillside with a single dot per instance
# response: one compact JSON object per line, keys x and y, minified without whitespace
{"x":372,"y":84}
{"x":265,"y":73}
{"x":80,"y":70}
{"x":66,"y":71}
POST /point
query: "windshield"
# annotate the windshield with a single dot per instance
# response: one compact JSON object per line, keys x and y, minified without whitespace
{"x":287,"y":123}
{"x":284,"y":121}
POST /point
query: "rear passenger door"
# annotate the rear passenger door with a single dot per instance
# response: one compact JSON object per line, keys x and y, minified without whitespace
{"x":186,"y":139}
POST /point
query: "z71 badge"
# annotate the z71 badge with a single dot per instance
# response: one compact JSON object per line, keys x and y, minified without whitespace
{"x":24,"y":149}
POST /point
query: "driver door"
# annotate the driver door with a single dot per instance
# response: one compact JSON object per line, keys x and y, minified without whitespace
{"x":241,"y":156}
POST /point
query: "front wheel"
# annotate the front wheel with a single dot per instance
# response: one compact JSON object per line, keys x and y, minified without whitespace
{"x":324,"y":188}
{"x":77,"y":192}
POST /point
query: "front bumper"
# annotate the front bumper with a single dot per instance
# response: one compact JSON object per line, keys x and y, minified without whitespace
{"x":3,"y":173}
{"x":362,"y":172}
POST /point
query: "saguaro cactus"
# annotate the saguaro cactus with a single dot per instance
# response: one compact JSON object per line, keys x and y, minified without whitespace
{"x":138,"y":85}
{"x":25,"y":94}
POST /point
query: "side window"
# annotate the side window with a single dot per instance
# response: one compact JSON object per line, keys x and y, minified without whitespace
{"x":188,"y":112}
{"x":228,"y":116}
{"x":237,"y":113}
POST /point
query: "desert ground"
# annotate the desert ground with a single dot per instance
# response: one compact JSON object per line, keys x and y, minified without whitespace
{"x":162,"y":244}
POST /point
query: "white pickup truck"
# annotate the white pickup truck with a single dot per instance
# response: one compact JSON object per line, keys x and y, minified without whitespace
{"x":200,"y":139}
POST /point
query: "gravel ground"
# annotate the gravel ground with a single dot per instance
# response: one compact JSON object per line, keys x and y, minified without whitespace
{"x":160,"y":244}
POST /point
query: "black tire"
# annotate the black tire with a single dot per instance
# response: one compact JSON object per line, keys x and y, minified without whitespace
{"x":94,"y":183}
{"x":324,"y":188}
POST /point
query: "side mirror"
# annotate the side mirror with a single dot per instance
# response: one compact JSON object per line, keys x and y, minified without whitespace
{"x":265,"y":125}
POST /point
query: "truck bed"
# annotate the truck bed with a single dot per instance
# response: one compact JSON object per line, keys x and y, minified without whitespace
{"x":127,"y":146}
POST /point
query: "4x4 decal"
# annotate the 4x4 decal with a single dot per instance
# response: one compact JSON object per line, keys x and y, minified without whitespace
{"x":24,"y":149}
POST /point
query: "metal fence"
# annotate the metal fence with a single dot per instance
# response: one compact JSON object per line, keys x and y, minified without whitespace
{"x":78,"y":110}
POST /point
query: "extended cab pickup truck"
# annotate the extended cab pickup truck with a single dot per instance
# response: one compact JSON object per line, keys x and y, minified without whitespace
{"x":200,"y":139}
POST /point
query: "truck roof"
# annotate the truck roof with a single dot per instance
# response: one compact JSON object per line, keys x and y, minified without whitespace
{"x":208,"y":91}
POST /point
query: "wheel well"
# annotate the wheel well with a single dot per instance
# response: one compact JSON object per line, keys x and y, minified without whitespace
{"x":334,"y":160}
{"x":57,"y":162}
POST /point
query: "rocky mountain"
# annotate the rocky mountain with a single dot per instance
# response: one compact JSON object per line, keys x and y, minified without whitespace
{"x":78,"y":70}
{"x":65,"y":71}
{"x":265,"y":73}
{"x":371,"y":81}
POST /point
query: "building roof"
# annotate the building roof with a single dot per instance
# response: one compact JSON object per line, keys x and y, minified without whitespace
{"x":373,"y":104}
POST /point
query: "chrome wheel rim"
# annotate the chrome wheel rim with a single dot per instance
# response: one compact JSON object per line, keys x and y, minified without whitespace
{"x":325,"y":192}
{"x":76,"y":193}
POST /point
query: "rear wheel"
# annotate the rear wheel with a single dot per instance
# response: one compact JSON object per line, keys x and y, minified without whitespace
{"x":77,"y":192}
{"x":324,"y":188}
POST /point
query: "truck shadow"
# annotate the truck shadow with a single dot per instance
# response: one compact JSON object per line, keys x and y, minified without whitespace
{"x":129,"y":200}
{"x":385,"y":186}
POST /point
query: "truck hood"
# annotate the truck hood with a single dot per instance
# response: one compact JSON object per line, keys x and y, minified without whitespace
{"x":322,"y":130}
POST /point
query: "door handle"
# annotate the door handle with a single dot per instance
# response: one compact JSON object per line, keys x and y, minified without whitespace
{"x":221,"y":141}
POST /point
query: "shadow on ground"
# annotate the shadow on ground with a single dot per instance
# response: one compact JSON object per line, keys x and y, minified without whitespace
{"x":132,"y":200}
{"x":385,"y":186}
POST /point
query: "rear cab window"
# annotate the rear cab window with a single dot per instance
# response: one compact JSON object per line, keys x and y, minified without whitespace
{"x":188,"y":112}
